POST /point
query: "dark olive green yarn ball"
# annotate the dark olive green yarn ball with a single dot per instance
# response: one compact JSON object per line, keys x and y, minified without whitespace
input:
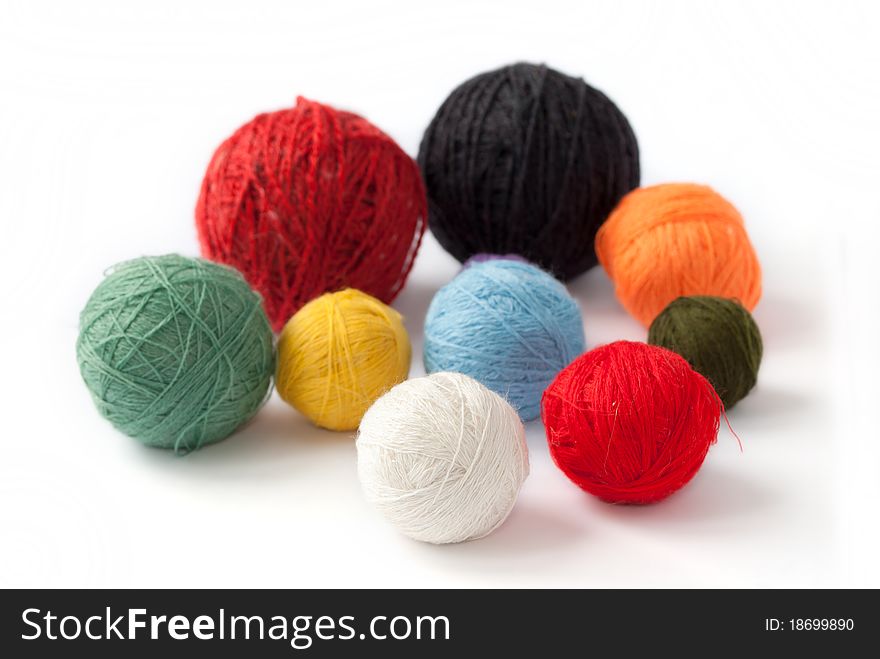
{"x":718,"y":337}
{"x":176,"y":352}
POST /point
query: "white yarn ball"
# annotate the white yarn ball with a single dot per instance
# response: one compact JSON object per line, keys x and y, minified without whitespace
{"x":442,"y":458}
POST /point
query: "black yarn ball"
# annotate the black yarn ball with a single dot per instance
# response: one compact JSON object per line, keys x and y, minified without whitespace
{"x":530,"y":161}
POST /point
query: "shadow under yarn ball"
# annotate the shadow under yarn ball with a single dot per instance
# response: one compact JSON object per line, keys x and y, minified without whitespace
{"x":507,"y":324}
{"x":176,"y":352}
{"x":718,"y":337}
{"x":527,"y":160}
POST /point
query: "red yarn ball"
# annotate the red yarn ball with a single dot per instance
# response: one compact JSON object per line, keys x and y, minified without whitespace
{"x":630,"y":422}
{"x":309,"y":200}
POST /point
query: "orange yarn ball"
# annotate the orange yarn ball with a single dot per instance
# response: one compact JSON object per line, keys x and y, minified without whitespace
{"x":666,"y":241}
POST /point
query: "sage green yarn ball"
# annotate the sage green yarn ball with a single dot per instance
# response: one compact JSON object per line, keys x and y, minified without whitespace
{"x":718,"y":337}
{"x":176,"y":352}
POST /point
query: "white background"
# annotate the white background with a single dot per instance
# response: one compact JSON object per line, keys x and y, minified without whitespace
{"x":109,"y":113}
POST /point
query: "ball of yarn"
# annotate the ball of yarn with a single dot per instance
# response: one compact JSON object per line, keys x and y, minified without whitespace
{"x":666,"y":241}
{"x":508,"y":325}
{"x":312,"y":199}
{"x":630,"y":422}
{"x":718,"y":337}
{"x":338,"y":354}
{"x":176,"y":352}
{"x":442,"y":458}
{"x":527,"y":160}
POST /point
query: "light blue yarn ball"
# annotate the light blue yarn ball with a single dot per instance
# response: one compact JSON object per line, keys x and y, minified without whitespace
{"x":508,"y":325}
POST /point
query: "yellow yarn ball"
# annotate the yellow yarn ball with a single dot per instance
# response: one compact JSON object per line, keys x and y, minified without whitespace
{"x":338,"y":354}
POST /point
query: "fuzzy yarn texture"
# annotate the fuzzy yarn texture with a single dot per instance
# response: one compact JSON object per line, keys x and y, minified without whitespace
{"x":630,"y":422}
{"x":442,"y":458}
{"x":718,"y":337}
{"x":312,"y":199}
{"x":338,"y":354}
{"x":530,"y":161}
{"x":482,"y":257}
{"x":176,"y":352}
{"x":673,"y":240}
{"x":508,"y":325}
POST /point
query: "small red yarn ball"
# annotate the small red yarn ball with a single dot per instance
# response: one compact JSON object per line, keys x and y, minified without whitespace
{"x":630,"y":422}
{"x":312,"y":199}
